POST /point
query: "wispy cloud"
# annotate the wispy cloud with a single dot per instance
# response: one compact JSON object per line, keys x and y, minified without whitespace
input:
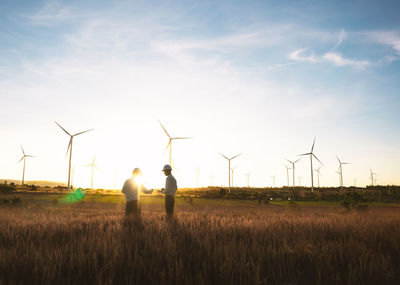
{"x":389,"y":38}
{"x":329,"y":57}
{"x":338,"y":60}
{"x":53,"y":12}
{"x":298,"y":55}
{"x":342,"y":36}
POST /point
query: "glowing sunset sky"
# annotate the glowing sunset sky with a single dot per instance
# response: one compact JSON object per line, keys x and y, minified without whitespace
{"x":260,"y":78}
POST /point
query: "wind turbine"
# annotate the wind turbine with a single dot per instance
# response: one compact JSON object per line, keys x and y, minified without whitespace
{"x":372,"y":177}
{"x":92,"y":165}
{"x":70,"y":149}
{"x":293,"y":168}
{"x":299,"y":177}
{"x":212,"y":176}
{"x":197,"y":176}
{"x":341,"y":171}
{"x":318,"y":174}
{"x":287,"y":174}
{"x":169,"y":145}
{"x":24,"y":159}
{"x":273,"y":181}
{"x":311,"y":154}
{"x":248,"y":179}
{"x":233,"y":169}
{"x":229,"y":167}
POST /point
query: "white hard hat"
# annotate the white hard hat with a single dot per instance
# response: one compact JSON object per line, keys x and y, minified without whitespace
{"x":167,"y":167}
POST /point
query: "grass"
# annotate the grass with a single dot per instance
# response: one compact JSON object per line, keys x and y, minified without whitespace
{"x":209,"y":242}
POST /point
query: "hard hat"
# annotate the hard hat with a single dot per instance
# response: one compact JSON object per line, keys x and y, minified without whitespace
{"x":167,"y":167}
{"x":137,"y":171}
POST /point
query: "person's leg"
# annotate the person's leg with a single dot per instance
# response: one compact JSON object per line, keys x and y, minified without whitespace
{"x":169,"y":205}
{"x":128,"y":208}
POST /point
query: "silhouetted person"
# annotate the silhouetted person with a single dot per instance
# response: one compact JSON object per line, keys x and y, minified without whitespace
{"x":169,"y":190}
{"x":132,"y":188}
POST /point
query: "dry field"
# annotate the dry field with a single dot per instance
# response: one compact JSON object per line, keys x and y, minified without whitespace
{"x":214,"y":244}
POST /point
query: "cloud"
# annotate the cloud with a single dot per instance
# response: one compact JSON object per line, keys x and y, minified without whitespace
{"x":391,"y":39}
{"x":297,"y":55}
{"x":342,"y":36}
{"x":330,"y":57}
{"x":338,"y":60}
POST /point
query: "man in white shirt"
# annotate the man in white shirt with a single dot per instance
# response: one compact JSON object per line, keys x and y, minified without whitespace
{"x":132,"y":188}
{"x":169,"y":191}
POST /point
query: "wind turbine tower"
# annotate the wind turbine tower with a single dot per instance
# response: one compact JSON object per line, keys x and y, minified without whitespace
{"x":70,"y":150}
{"x":273,"y":180}
{"x":233,"y":174}
{"x":341,"y":171}
{"x":318,"y":174}
{"x":372,"y":177}
{"x":311,"y":154}
{"x":293,"y":169}
{"x":212,"y":176}
{"x":287,"y":174}
{"x":229,"y":168}
{"x":197,"y":176}
{"x":169,"y":145}
{"x":248,"y":179}
{"x":92,"y":165}
{"x":24,"y":156}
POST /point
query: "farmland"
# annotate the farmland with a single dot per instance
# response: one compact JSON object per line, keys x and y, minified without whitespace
{"x":210,"y":241}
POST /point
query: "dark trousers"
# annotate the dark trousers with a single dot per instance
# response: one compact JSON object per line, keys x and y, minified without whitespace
{"x":132,"y":208}
{"x":169,"y":205}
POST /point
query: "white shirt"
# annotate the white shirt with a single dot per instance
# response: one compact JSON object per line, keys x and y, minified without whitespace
{"x":132,"y":190}
{"x":170,"y":185}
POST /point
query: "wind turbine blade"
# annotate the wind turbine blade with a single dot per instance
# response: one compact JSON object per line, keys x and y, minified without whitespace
{"x":296,"y":160}
{"x":62,"y":128}
{"x":21,"y":159}
{"x":224,"y":156}
{"x":83,"y":132}
{"x":289,"y":161}
{"x":312,"y":148}
{"x":338,"y":159}
{"x":181,"y":138}
{"x":235,"y":156}
{"x":22,"y":149}
{"x":305,"y":154}
{"x":29,"y":156}
{"x":69,"y":145}
{"x":167,"y":145}
{"x":346,"y":163}
{"x":164,"y":129}
{"x":317,"y":159}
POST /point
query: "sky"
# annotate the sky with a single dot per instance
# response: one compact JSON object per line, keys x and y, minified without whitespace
{"x":261,"y":78}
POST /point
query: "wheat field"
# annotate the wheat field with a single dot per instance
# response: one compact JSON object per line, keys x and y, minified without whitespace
{"x":63,"y":245}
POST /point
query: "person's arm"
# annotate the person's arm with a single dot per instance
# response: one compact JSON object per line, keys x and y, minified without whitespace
{"x":145,"y":190}
{"x":124,"y":188}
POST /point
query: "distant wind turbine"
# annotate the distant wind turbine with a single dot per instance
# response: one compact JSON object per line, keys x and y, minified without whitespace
{"x":273,"y":181}
{"x":169,"y":145}
{"x":24,"y":159}
{"x":372,"y":176}
{"x":299,"y":177}
{"x":311,"y":154}
{"x":248,"y":179}
{"x":212,"y":176}
{"x":197,"y":176}
{"x":70,"y":149}
{"x":92,"y":165}
{"x":287,"y":174}
{"x":341,"y":170}
{"x":318,"y":174}
{"x":233,"y":173}
{"x":229,"y":168}
{"x":293,"y":168}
